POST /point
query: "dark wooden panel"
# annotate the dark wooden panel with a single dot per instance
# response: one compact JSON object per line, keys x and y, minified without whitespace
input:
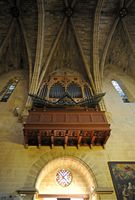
{"x":72,"y":128}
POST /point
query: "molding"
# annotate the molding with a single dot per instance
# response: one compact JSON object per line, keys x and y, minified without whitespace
{"x":107,"y":44}
{"x":104,"y":190}
{"x":39,"y":48}
{"x":128,"y":36}
{"x":39,"y":51}
{"x":87,"y":68}
{"x":73,"y":3}
{"x":52,"y":51}
{"x":96,"y":70}
{"x":27,"y":47}
{"x":36,"y":169}
{"x":27,"y":191}
{"x":96,"y":65}
{"x":129,"y":3}
{"x":84,"y":196}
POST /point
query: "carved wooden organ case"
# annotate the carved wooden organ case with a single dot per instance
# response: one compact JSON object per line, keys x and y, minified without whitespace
{"x":65,"y":112}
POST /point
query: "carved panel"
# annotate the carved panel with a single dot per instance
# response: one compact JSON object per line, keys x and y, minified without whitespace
{"x":67,"y":127}
{"x":59,"y":118}
{"x":46,"y":118}
{"x":84,"y":118}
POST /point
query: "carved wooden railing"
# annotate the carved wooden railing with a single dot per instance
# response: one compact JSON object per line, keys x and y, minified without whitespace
{"x":64,"y":127}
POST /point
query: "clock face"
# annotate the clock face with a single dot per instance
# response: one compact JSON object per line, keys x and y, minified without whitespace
{"x":64,"y":177}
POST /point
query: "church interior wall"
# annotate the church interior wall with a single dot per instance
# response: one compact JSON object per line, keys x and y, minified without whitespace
{"x":28,"y":35}
{"x":19,"y":167}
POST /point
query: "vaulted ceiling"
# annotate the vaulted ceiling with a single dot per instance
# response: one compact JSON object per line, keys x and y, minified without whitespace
{"x":84,"y":35}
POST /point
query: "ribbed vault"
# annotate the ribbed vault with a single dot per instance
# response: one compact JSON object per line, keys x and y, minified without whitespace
{"x":43,"y":35}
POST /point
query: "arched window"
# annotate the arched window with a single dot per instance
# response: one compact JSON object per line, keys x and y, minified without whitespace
{"x":8,"y":89}
{"x":120,"y":91}
{"x":74,"y":90}
{"x":43,"y":92}
{"x":87,"y":91}
{"x":57,"y":91}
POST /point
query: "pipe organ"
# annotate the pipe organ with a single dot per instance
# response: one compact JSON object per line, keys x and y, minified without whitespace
{"x":66,"y":113}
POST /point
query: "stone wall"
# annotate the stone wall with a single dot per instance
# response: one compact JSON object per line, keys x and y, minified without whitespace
{"x":19,"y":167}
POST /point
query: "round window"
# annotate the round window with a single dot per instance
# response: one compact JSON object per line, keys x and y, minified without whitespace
{"x":64,"y":177}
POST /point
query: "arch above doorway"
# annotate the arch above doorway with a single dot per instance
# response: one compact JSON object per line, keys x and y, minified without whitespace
{"x":81,"y":186}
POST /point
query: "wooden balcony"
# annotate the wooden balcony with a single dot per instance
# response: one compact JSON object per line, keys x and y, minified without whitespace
{"x":66,"y":128}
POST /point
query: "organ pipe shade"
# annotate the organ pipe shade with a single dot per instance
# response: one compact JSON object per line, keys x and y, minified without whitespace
{"x":74,"y":90}
{"x":57,"y":91}
{"x":43,"y":92}
{"x":87,"y":91}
